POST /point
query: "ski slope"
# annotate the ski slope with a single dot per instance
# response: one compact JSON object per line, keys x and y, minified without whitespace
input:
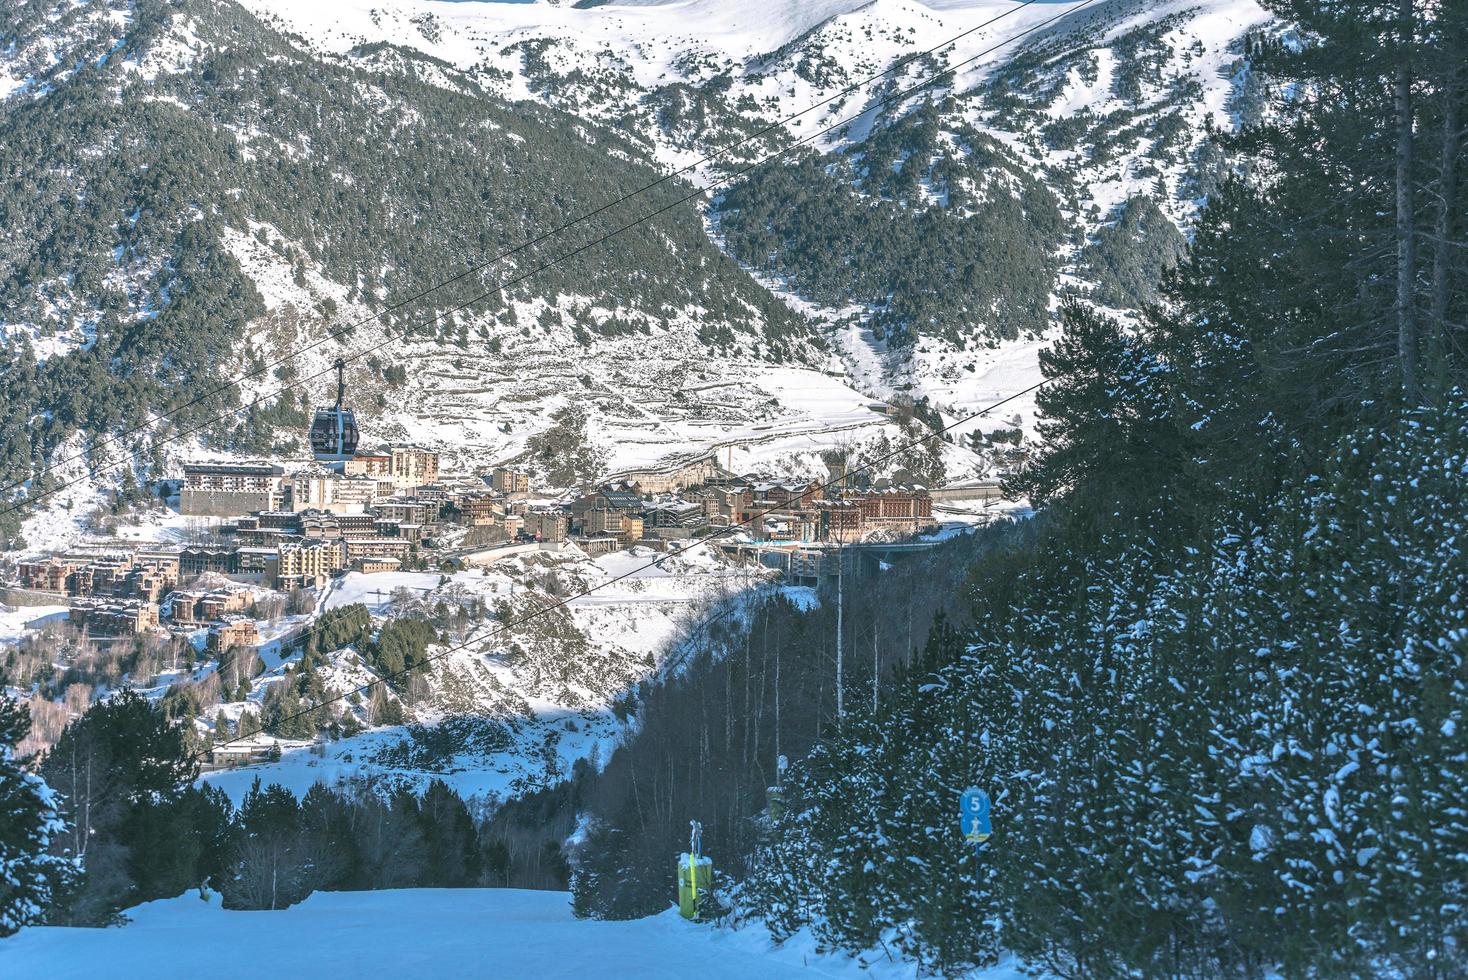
{"x":421,"y":932}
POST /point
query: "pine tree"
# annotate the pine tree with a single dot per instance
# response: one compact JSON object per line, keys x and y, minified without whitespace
{"x":120,"y":766}
{"x":452,"y":847}
{"x":271,"y":866}
{"x":1106,"y":431}
{"x":30,"y":876}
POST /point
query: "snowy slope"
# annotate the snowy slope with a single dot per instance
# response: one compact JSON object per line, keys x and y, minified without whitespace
{"x":781,"y":57}
{"x":513,"y":693}
{"x":468,"y":932}
{"x":693,"y":77}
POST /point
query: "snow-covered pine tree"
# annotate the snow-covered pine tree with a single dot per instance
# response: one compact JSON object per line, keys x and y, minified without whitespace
{"x":30,"y":875}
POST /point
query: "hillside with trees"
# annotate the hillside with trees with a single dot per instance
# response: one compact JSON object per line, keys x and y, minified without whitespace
{"x":1220,"y":691}
{"x":1218,"y":694}
{"x":1214,"y":678}
{"x":125,"y":179}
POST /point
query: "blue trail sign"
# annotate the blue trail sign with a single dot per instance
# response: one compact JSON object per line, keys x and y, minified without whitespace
{"x":973,"y":815}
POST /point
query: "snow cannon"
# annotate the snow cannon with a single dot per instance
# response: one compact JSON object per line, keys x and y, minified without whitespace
{"x":695,"y":874}
{"x":695,"y":881}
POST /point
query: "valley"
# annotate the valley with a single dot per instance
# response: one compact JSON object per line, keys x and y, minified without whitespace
{"x":963,"y":488}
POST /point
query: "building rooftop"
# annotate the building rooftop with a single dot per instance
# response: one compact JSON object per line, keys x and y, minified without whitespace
{"x":241,"y":469}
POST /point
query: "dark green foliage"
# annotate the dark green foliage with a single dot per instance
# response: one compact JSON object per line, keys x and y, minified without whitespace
{"x":433,"y":747}
{"x":123,"y":769}
{"x":287,"y":714}
{"x":354,"y":840}
{"x":30,"y":878}
{"x":1106,"y":402}
{"x":450,"y":839}
{"x":1128,"y":257}
{"x":862,"y":227}
{"x":273,"y":867}
{"x":344,"y":626}
{"x":177,"y":844}
{"x":400,"y":646}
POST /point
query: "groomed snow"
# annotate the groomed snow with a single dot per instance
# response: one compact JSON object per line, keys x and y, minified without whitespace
{"x":422,"y":933}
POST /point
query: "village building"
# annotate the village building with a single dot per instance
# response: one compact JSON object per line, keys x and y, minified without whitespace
{"x":480,"y":510}
{"x":374,"y":565}
{"x":632,"y":528}
{"x":839,"y":520}
{"x":411,"y":466}
{"x":796,"y":525}
{"x":46,"y":574}
{"x":149,"y":584}
{"x":505,"y":480}
{"x":114,"y":618}
{"x":407,"y":510}
{"x":244,"y":751}
{"x":358,"y":493}
{"x":328,"y":526}
{"x":238,"y":632}
{"x":672,"y":479}
{"x":369,"y":464}
{"x":120,"y":574}
{"x":598,"y":522}
{"x":602,"y":511}
{"x":896,"y":508}
{"x":229,"y":489}
{"x":200,"y":606}
{"x":250,"y":531}
{"x":324,"y":489}
{"x":165,"y":563}
{"x":254,"y":565}
{"x":398,"y":548}
{"x":193,"y":562}
{"x":547,"y":525}
{"x":673,"y":513}
{"x":597,"y":546}
{"x":308,"y":564}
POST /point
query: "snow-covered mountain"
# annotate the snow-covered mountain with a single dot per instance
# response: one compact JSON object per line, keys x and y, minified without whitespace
{"x":1105,"y":103}
{"x":204,"y":189}
{"x":326,"y":161}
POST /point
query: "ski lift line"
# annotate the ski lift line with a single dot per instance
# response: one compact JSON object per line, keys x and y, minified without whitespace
{"x":346,"y":331}
{"x":697,"y":193}
{"x":565,"y":602}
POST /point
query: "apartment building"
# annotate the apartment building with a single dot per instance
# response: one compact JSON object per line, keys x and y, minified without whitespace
{"x":229,"y":489}
{"x":505,"y":480}
{"x":411,"y":466}
{"x":310,"y":563}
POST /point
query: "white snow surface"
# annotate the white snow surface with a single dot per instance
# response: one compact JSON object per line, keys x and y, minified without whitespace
{"x":427,"y":932}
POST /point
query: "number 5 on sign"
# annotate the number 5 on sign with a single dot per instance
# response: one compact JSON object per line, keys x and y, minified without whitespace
{"x":974,"y":815}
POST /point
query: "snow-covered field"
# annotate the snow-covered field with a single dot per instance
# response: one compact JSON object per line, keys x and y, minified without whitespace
{"x":13,"y":620}
{"x":423,"y":933}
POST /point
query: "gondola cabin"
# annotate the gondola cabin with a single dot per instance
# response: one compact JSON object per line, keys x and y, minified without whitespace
{"x":334,"y":432}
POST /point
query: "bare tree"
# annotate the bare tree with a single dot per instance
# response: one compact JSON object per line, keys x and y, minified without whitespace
{"x":1405,"y":307}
